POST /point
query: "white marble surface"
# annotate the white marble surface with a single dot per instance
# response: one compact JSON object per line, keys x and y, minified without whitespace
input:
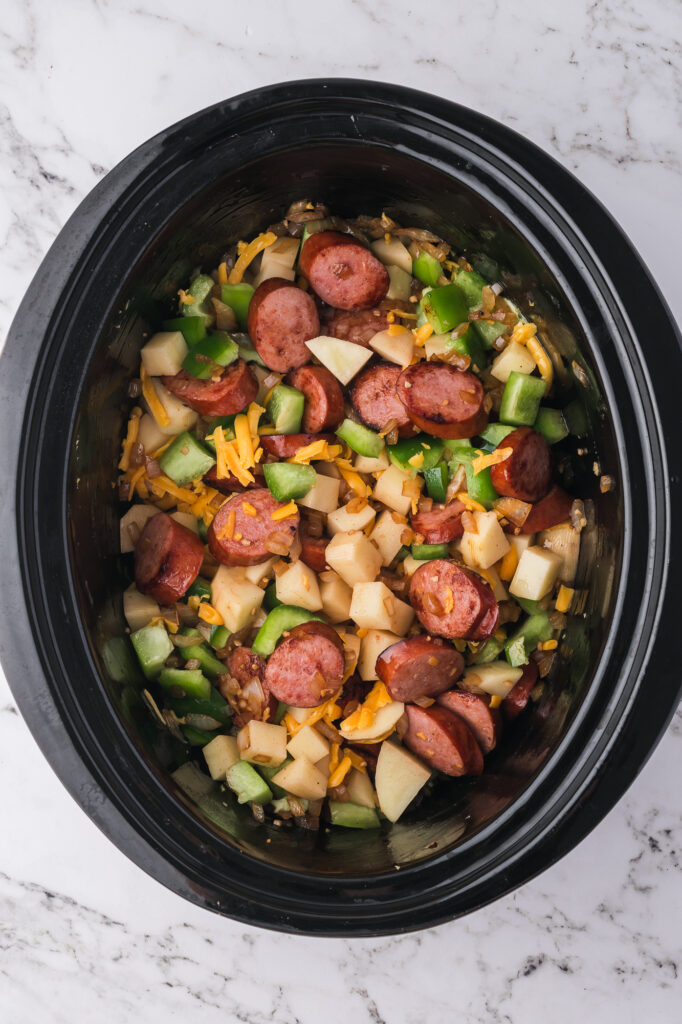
{"x":84,"y":935}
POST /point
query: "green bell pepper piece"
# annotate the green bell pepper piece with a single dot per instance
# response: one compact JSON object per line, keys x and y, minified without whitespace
{"x":152,"y":646}
{"x":287,"y":480}
{"x":190,"y":681}
{"x":494,"y":434}
{"x":469,"y":344}
{"x":285,"y":409}
{"x":351,"y":815}
{"x":211,"y":665}
{"x":214,"y":350}
{"x":480,"y":486}
{"x":551,"y":423}
{"x":445,"y":308}
{"x":436,"y":479}
{"x":406,"y":448}
{"x":521,"y":399}
{"x":271,"y":600}
{"x":427,"y":268}
{"x":284,"y":617}
{"x":472,"y":285}
{"x":193,"y":328}
{"x":425,"y":552}
{"x":489,"y":331}
{"x":360,"y":439}
{"x":536,"y":629}
{"x":200,"y":289}
{"x":247,"y":784}
{"x":238,"y":298}
{"x":186,"y":459}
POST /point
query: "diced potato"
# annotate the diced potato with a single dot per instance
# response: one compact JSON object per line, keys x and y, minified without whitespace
{"x":302,"y":778}
{"x":149,"y":434}
{"x":138,"y":609}
{"x":298,"y":714}
{"x":278,"y":260}
{"x":520,"y":543}
{"x":353,"y":557}
{"x":323,"y":765}
{"x":262,"y":743}
{"x":393,"y":253}
{"x":536,"y":573}
{"x":371,"y":645}
{"x":374,"y":606}
{"x":336,"y":597}
{"x":235,"y":597}
{"x":180,"y":415}
{"x":396,"y":348}
{"x":495,"y":678}
{"x":513,"y":357}
{"x":410,"y":565}
{"x":220,"y":754}
{"x":133,"y":523}
{"x":360,"y":789}
{"x":389,"y":490}
{"x":343,"y":521}
{"x":436,"y":345}
{"x":365,"y":464}
{"x":385,"y":719}
{"x":493,"y":577}
{"x":298,"y":585}
{"x":342,"y":358}
{"x":564,"y":541}
{"x":260,"y":573}
{"x":163,"y":354}
{"x":186,"y":519}
{"x":323,"y":495}
{"x":309,"y":742}
{"x":386,"y":535}
{"x":351,"y":653}
{"x":400,"y":284}
{"x":399,"y":777}
{"x":485,"y":547}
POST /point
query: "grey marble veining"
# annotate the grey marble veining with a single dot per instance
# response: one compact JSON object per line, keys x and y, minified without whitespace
{"x":84,"y":935}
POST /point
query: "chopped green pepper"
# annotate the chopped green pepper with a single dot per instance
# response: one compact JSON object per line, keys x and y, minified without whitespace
{"x":480,"y":486}
{"x":214,"y":350}
{"x":407,"y":447}
{"x":193,"y":328}
{"x":285,"y":616}
{"x":185,"y":459}
{"x":427,"y":268}
{"x":469,"y":344}
{"x":521,"y":399}
{"x":425,"y":552}
{"x":360,"y":439}
{"x":445,"y":308}
{"x":247,"y":784}
{"x":152,"y":646}
{"x":287,"y":480}
{"x":472,"y":285}
{"x":351,"y":815}
{"x":436,"y":480}
{"x":534,"y":630}
{"x":190,"y":682}
{"x":285,"y":409}
{"x":551,"y":423}
{"x":200,"y":289}
{"x":211,"y":665}
{"x":238,"y":298}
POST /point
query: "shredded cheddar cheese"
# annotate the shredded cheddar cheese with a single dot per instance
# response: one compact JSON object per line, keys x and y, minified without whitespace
{"x":564,"y":598}
{"x":248,"y":509}
{"x":469,"y":503}
{"x":248,"y":254}
{"x":495,"y":701}
{"x":417,"y":460}
{"x":508,"y":564}
{"x":209,"y":614}
{"x":363,"y":717}
{"x":340,"y":773}
{"x":549,"y":645}
{"x":396,"y":329}
{"x":542,"y":360}
{"x":227,"y":531}
{"x":482,"y":462}
{"x":156,"y":406}
{"x":357,"y":762}
{"x":130,"y":438}
{"x":244,"y":441}
{"x":222,"y":273}
{"x":137,"y":481}
{"x":320,"y":451}
{"x":422,"y":334}
{"x":253,"y":415}
{"x":185,"y":298}
{"x":290,"y":509}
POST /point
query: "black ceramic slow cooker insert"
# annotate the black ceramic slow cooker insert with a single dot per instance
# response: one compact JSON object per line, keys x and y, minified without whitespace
{"x":113,"y":274}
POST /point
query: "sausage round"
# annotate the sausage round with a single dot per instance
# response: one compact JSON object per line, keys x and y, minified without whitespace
{"x":517,"y":698}
{"x":229,"y":484}
{"x":485,"y":722}
{"x":253,"y":698}
{"x":442,"y":400}
{"x":420,"y":666}
{"x":442,"y":740}
{"x":441,"y":525}
{"x":375,"y":399}
{"x":168,"y":558}
{"x":527,"y":473}
{"x":286,"y":445}
{"x":307,"y":667}
{"x":452,"y":601}
{"x":323,"y":398}
{"x":233,"y":391}
{"x":358,"y":325}
{"x":314,"y":551}
{"x":282,"y":317}
{"x":342,"y":271}
{"x":251,"y":535}
{"x":553,"y":509}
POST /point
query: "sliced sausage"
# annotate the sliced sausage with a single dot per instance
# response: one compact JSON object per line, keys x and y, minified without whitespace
{"x":245,"y":538}
{"x":442,"y":740}
{"x":375,"y":399}
{"x":314,"y":551}
{"x":526,"y":474}
{"x":236,"y":388}
{"x":307,"y":667}
{"x":282,"y":317}
{"x":420,"y":666}
{"x":485,"y":722}
{"x":442,"y":400}
{"x":229,"y":484}
{"x":358,"y":325}
{"x":342,"y":271}
{"x":168,"y":558}
{"x":441,"y":525}
{"x":452,"y":601}
{"x":517,"y":698}
{"x":286,"y":445}
{"x":323,"y":398}
{"x":553,"y":509}
{"x":252,"y":699}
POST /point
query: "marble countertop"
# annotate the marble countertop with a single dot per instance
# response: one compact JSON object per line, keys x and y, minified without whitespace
{"x":84,"y":934}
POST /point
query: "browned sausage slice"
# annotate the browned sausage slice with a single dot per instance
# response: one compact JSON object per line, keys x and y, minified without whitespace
{"x":238,"y":537}
{"x":553,"y":509}
{"x":168,"y":558}
{"x":229,"y":484}
{"x":286,"y":445}
{"x":375,"y":399}
{"x":342,"y":271}
{"x":420,"y":666}
{"x":485,"y":722}
{"x":442,"y":400}
{"x":452,"y":601}
{"x":517,"y":698}
{"x":357,"y":325}
{"x":442,"y":740}
{"x":251,"y":699}
{"x":441,"y":525}
{"x":233,"y":391}
{"x":323,"y":398}
{"x":314,"y":551}
{"x":307,"y":667}
{"x":282,"y":317}
{"x":527,"y":473}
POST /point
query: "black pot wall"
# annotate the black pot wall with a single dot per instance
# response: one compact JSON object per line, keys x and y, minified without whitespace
{"x":112,"y":275}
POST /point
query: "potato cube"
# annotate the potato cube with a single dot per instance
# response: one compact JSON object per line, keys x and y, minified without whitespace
{"x":371,"y":645}
{"x":278,"y":260}
{"x":389,"y":489}
{"x":396,"y":348}
{"x":495,"y":678}
{"x":298,"y":714}
{"x":520,"y":543}
{"x":336,"y":597}
{"x":186,"y":519}
{"x":365,"y":464}
{"x":343,"y":521}
{"x":302,"y":778}
{"x":323,"y":496}
{"x":262,"y":743}
{"x":493,"y":577}
{"x":138,"y":609}
{"x":399,"y":777}
{"x":360,"y":789}
{"x":132,"y":525}
{"x":485,"y":547}
{"x":564,"y":541}
{"x":353,"y":557}
{"x":298,"y":585}
{"x":309,"y":742}
{"x":536,"y":573}
{"x":386,"y":535}
{"x":410,"y":565}
{"x":393,"y":253}
{"x":260,"y":573}
{"x":149,"y":435}
{"x":220,"y":754}
{"x":351,"y":653}
{"x":342,"y":358}
{"x":235,"y":597}
{"x":513,"y":357}
{"x":436,"y":345}
{"x":163,"y":354}
{"x":385,"y":719}
{"x":375,"y":607}
{"x":180,"y":416}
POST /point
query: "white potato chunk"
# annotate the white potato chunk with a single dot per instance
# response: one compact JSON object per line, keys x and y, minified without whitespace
{"x":336,"y":597}
{"x":374,"y":606}
{"x":342,"y":358}
{"x":351,"y":653}
{"x":220,"y":754}
{"x":260,"y":573}
{"x":262,"y":743}
{"x":386,"y":535}
{"x":365,"y":464}
{"x":323,"y":496}
{"x":235,"y":598}
{"x":400,"y":284}
{"x":564,"y":541}
{"x":399,"y":777}
{"x":436,"y":345}
{"x":186,"y":519}
{"x":360,"y":789}
{"x":513,"y":357}
{"x":393,"y":253}
{"x":181,"y":417}
{"x":132,"y":525}
{"x":371,"y":645}
{"x":279,"y":260}
{"x":496,"y":678}
{"x":298,"y":714}
{"x":410,"y":565}
{"x":149,"y":434}
{"x":485,"y":547}
{"x":536,"y":573}
{"x":520,"y":543}
{"x":493,"y":577}
{"x":353,"y":557}
{"x":163,"y":354}
{"x":298,"y":585}
{"x":138,"y":609}
{"x":385,"y":719}
{"x":394,"y":347}
{"x":389,"y":490}
{"x":343,"y":521}
{"x":302,"y":778}
{"x":308,"y":742}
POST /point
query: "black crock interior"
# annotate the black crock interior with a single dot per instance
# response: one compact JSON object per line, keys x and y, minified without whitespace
{"x":226,"y":174}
